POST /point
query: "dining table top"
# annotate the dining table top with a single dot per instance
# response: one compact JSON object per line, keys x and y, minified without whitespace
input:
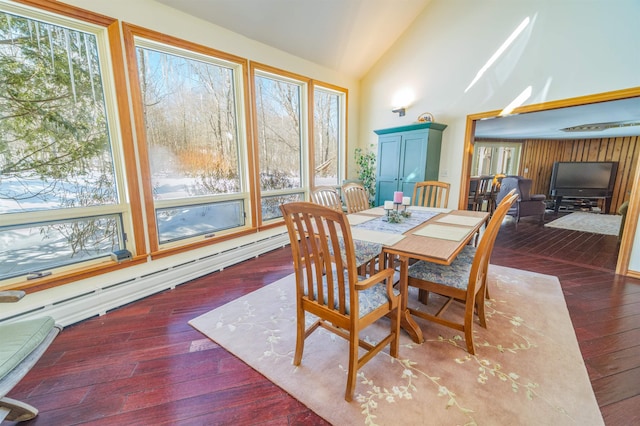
{"x":432,"y":234}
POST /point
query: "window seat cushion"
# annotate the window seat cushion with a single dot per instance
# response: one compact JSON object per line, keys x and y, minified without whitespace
{"x":19,"y":339}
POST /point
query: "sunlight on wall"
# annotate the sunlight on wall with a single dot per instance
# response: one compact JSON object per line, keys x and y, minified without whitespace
{"x":519,"y":100}
{"x":499,"y":52}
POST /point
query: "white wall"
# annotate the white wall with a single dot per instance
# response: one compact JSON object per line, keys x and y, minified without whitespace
{"x":569,"y":48}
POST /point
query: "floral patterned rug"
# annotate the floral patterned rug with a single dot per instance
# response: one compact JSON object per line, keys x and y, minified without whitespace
{"x":595,"y":223}
{"x":528,"y":369}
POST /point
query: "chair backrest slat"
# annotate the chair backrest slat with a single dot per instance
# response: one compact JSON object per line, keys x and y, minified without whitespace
{"x":355,"y":197}
{"x":327,"y":196}
{"x":431,"y":193}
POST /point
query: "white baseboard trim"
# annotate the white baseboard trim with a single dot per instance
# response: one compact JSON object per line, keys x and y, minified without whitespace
{"x":80,"y":300}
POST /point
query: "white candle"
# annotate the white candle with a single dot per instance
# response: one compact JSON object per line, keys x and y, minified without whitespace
{"x":397,"y":197}
{"x":406,"y":201}
{"x":388,"y":205}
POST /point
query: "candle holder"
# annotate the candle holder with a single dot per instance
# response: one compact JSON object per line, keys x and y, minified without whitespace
{"x":406,"y":201}
{"x":395,"y":211}
{"x":394,"y":217}
{"x":392,"y":210}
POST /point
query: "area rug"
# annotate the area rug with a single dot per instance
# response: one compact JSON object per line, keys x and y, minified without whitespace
{"x":606,"y":224}
{"x":527,"y":370}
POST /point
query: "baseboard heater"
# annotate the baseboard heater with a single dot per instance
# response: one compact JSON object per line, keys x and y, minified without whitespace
{"x":86,"y":301}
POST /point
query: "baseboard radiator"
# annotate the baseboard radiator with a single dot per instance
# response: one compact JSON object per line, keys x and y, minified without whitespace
{"x":97,"y":296}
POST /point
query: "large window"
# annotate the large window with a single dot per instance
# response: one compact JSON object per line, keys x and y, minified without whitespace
{"x":190,"y":103}
{"x":76,"y":186}
{"x":280,"y":106}
{"x":60,"y":164}
{"x":328,"y":140}
{"x":491,"y":158}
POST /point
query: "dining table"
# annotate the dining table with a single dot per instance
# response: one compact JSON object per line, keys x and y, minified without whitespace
{"x":422,"y":233}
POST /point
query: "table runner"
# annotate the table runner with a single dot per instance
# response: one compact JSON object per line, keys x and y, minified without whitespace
{"x":381,"y":224}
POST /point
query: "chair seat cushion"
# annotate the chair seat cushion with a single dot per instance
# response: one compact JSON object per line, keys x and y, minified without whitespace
{"x":19,"y":339}
{"x":454,"y":275}
{"x":368,"y":300}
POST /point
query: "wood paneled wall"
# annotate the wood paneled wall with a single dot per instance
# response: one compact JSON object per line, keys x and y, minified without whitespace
{"x":538,"y":156}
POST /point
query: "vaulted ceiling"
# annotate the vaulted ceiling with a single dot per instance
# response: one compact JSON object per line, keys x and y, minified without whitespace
{"x":349,"y":36}
{"x":345,"y":35}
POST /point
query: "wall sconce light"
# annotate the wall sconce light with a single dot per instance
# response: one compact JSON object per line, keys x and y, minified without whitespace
{"x":401,"y":111}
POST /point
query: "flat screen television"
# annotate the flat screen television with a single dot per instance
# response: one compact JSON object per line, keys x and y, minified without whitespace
{"x":583,"y":179}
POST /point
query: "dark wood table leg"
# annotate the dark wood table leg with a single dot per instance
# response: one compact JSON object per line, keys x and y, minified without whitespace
{"x":406,"y":320}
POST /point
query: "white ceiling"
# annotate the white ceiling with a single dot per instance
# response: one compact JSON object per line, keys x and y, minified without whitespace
{"x":344,"y":35}
{"x":548,"y":124}
{"x":349,"y":36}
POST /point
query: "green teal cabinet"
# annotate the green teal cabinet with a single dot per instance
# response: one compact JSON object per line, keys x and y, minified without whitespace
{"x":406,"y":155}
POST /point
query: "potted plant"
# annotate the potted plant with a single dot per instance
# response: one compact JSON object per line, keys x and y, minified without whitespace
{"x":366,"y":170}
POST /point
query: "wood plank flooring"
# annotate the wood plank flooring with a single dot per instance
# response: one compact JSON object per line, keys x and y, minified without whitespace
{"x":143,"y":364}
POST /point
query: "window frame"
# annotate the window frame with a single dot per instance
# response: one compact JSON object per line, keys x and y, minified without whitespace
{"x":306,"y":130}
{"x":135,"y":36}
{"x":343,"y":95}
{"x":106,"y":31}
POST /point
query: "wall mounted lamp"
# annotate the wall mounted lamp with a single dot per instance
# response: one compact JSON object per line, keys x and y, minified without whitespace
{"x":401,"y":111}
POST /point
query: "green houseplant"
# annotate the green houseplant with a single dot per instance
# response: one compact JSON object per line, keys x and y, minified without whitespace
{"x":366,"y":169}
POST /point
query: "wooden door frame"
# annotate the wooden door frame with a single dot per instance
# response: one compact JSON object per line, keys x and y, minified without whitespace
{"x":631,"y":224}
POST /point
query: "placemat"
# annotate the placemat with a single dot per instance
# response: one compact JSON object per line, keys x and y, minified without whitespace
{"x":455,"y":219}
{"x":355,"y":219}
{"x":443,"y":232}
{"x":379,"y":237}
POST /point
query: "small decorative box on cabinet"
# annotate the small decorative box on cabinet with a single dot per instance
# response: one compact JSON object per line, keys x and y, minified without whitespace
{"x":406,"y":155}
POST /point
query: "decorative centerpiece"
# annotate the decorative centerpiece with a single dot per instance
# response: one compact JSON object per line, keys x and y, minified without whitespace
{"x":397,"y":209}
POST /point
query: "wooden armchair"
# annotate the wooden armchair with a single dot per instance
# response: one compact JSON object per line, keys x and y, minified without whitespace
{"x":22,"y":344}
{"x":327,"y":196}
{"x":328,"y":285}
{"x":464,"y":280}
{"x":431,"y":193}
{"x":355,"y":197}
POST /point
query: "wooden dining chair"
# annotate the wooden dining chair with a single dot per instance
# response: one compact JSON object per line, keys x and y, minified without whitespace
{"x":355,"y":197}
{"x":479,"y":189}
{"x":328,"y":286}
{"x":464,"y":280}
{"x":431,"y":193}
{"x":327,"y":196}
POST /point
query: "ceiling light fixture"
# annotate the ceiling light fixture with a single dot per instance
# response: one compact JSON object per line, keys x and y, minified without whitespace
{"x":598,"y":127}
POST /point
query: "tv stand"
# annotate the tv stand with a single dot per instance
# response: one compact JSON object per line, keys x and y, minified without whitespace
{"x":558,"y":201}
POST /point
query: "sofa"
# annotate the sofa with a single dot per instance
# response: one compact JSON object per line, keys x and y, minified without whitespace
{"x":527,"y":204}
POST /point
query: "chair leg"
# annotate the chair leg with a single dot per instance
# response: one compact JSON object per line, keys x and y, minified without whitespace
{"x":480,"y":308}
{"x":468,"y":338}
{"x":353,"y":367}
{"x":16,"y":411}
{"x":395,"y":326}
{"x":423,"y":296}
{"x":301,"y":334}
{"x":468,"y":333}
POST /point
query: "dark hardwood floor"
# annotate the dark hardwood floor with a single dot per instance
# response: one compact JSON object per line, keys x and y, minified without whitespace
{"x":143,"y":364}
